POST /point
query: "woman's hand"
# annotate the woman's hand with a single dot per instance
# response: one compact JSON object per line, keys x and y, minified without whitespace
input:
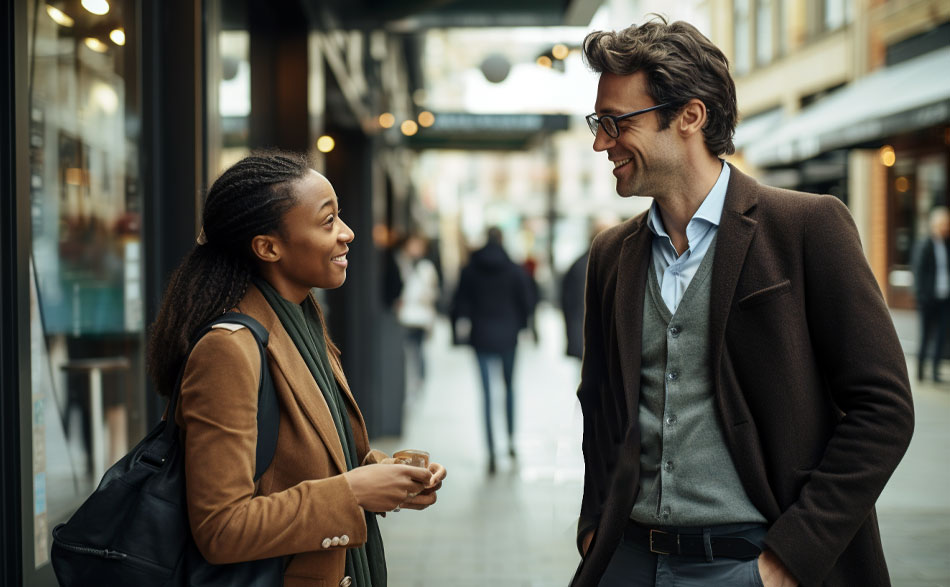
{"x":427,"y":496}
{"x":381,"y":488}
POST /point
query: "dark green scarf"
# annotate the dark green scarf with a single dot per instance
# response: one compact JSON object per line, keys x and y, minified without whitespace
{"x":365,"y":564}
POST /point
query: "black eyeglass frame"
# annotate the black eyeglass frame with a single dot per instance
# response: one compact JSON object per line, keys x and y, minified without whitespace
{"x":593,"y":121}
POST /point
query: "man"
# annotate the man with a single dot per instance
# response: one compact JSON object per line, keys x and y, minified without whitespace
{"x":494,"y":294}
{"x":744,"y":393}
{"x":931,"y":263}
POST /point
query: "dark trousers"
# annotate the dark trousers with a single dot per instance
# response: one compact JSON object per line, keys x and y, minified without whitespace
{"x":934,"y":323}
{"x":507,"y":359}
{"x":633,"y":565}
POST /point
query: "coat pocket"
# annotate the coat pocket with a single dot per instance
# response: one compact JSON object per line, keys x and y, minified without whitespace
{"x":765,"y":294}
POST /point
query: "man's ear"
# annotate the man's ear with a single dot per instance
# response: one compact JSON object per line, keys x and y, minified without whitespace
{"x":266,"y":247}
{"x":692,"y":118}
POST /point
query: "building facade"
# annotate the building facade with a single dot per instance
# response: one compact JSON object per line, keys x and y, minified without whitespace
{"x":845,"y":97}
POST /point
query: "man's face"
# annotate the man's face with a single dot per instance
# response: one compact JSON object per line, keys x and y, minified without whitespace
{"x":644,"y":157}
{"x":940,"y":226}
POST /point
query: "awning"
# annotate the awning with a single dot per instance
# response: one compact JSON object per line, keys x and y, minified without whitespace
{"x":893,"y":100}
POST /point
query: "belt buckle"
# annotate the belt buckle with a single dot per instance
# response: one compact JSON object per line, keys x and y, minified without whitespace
{"x":654,"y":550}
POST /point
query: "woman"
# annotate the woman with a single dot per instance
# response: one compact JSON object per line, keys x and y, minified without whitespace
{"x":272,"y":231}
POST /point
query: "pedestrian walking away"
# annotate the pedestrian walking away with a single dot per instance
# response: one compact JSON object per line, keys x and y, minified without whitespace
{"x":745,"y":397}
{"x":272,"y":232}
{"x":495,"y":296}
{"x":931,"y":266}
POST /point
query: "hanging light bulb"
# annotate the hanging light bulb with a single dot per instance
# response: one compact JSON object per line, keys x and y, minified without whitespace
{"x":325,"y":144}
{"x":118,"y":36}
{"x":59,"y":17}
{"x":96,"y":45}
{"x":97,"y":7}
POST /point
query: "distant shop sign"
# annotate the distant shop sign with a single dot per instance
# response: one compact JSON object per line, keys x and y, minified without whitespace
{"x":498,"y":123}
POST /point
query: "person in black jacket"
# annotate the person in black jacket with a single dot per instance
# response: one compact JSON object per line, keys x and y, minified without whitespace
{"x":572,"y":293}
{"x":494,"y":295}
{"x":931,"y":265}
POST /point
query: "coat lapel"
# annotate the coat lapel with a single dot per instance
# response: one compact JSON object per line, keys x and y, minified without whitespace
{"x":303,"y":387}
{"x":635,"y":255}
{"x":736,"y":229}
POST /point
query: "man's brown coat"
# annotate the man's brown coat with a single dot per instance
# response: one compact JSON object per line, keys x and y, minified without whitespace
{"x":810,"y":381}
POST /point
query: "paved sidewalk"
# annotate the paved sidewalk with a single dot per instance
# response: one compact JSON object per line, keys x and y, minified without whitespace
{"x":517,"y":528}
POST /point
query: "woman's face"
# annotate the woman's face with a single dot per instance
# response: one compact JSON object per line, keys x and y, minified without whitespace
{"x":314,"y":242}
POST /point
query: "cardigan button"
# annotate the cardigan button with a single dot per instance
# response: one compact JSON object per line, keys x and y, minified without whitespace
{"x":326,"y":543}
{"x":346,"y":582}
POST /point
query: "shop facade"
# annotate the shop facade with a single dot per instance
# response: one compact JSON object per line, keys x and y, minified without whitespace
{"x":117,"y":115}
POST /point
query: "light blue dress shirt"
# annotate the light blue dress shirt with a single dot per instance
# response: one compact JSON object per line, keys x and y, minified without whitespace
{"x":942,"y":278}
{"x":675,"y":272}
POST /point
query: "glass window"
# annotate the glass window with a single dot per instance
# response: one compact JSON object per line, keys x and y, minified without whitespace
{"x":86,"y":304}
{"x":228,"y":48}
{"x":782,"y":24}
{"x":763,"y":32}
{"x":834,"y":14}
{"x":741,"y":59}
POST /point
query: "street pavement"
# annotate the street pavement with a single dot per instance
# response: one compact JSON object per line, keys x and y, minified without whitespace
{"x":516,"y":528}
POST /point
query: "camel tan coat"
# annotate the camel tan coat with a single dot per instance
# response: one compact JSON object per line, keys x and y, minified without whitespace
{"x":302,"y":499}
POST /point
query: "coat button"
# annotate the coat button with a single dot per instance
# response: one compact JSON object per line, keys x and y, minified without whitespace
{"x":326,"y":543}
{"x":344,"y":540}
{"x":346,"y":582}
{"x":335,"y":541}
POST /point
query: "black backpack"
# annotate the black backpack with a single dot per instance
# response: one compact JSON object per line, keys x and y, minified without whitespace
{"x":133,"y":530}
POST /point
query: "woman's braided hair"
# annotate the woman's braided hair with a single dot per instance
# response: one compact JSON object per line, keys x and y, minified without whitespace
{"x":247,"y":200}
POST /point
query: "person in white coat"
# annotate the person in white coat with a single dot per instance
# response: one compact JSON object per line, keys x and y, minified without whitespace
{"x":416,"y":306}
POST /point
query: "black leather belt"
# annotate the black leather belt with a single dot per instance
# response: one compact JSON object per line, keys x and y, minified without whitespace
{"x":692,"y":544}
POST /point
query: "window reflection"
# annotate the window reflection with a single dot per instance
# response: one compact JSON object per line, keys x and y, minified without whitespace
{"x":86,"y":263}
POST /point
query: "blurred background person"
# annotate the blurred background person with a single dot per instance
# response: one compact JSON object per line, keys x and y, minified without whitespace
{"x":931,"y":265}
{"x":572,"y":293}
{"x":416,"y":307}
{"x":530,"y":267}
{"x":494,"y":294}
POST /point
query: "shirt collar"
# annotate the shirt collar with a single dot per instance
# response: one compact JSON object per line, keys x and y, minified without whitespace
{"x":710,"y":210}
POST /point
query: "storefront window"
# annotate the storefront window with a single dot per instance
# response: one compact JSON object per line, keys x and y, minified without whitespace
{"x":86,"y":273}
{"x":917,"y":182}
{"x":741,"y":59}
{"x":229,"y":91}
{"x":763,"y":32}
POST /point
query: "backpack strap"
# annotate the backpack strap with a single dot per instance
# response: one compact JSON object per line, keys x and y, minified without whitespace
{"x":268,"y":412}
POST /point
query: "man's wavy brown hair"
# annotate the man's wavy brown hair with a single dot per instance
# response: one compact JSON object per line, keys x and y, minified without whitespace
{"x":680,"y":64}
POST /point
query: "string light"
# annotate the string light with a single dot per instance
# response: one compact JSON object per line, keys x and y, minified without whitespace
{"x":426,"y":119}
{"x":888,"y":157}
{"x":409,"y":127}
{"x":325,"y":144}
{"x":387,"y":120}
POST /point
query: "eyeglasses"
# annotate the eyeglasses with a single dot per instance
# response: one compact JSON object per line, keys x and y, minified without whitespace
{"x":609,"y":121}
